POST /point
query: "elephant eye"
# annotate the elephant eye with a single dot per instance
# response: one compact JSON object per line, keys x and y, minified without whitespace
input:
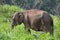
{"x":19,"y":16}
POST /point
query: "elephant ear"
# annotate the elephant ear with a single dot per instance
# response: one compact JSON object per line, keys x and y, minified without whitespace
{"x":21,"y":14}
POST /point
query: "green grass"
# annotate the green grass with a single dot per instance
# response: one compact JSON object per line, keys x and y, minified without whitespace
{"x":19,"y":33}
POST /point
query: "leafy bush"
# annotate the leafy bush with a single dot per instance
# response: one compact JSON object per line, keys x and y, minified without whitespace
{"x":8,"y":10}
{"x":56,"y":27}
{"x":4,"y":36}
{"x":19,"y":33}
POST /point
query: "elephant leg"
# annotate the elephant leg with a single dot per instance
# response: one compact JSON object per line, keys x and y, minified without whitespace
{"x":48,"y":29}
{"x":51,"y":30}
{"x":27,"y":28}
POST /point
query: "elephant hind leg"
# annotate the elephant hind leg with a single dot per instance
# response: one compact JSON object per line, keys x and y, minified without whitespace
{"x":51,"y":31}
{"x":48,"y":29}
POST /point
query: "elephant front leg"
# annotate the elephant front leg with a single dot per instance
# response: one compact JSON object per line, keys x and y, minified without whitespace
{"x":27,"y":28}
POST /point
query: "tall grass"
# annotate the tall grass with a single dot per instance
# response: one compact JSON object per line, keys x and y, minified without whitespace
{"x":19,"y":33}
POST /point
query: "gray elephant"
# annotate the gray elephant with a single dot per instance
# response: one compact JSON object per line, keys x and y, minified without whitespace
{"x":34,"y":19}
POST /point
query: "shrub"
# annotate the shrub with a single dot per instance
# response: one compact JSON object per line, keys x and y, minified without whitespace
{"x":8,"y":10}
{"x":19,"y":33}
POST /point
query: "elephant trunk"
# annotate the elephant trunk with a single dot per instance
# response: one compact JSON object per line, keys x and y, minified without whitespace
{"x":13,"y":24}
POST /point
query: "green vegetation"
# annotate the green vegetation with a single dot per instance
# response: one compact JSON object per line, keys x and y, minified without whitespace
{"x":19,"y":33}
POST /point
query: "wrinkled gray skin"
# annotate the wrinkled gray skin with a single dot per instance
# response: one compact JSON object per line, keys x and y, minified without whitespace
{"x":34,"y":19}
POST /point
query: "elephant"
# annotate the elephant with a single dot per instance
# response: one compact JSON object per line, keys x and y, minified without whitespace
{"x":34,"y":19}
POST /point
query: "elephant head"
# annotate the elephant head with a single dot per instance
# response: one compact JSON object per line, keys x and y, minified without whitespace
{"x":17,"y":19}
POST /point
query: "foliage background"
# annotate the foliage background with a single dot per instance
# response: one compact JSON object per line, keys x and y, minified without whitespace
{"x":52,"y":6}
